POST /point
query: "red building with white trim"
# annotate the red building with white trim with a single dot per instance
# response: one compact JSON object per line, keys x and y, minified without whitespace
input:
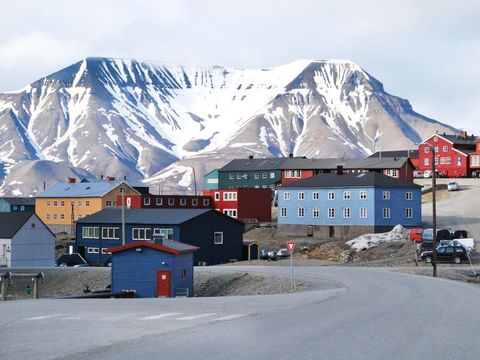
{"x":245,"y":204}
{"x":452,"y":154}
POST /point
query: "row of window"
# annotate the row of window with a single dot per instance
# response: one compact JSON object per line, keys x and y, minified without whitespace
{"x":245,"y":176}
{"x":95,"y":250}
{"x":427,"y":149}
{"x":346,"y":212}
{"x":347,"y":195}
{"x":293,"y":174}
{"x":62,"y":216}
{"x":171,"y":201}
{"x":442,"y":160}
{"x":227,"y":196}
{"x":80,"y":203}
{"x":93,"y":232}
{"x":392,"y":173}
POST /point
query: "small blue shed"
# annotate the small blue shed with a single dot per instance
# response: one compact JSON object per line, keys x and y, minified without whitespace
{"x":153,"y":270}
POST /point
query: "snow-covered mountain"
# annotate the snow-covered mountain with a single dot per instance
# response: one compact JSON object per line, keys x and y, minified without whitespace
{"x":158,"y":121}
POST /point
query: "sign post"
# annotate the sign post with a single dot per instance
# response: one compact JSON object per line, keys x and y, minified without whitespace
{"x":291,"y":247}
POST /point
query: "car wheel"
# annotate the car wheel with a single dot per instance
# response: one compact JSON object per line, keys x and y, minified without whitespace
{"x":428,"y":260}
{"x":457,"y":260}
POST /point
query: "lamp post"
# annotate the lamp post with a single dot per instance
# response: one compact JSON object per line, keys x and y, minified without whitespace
{"x":434,"y":213}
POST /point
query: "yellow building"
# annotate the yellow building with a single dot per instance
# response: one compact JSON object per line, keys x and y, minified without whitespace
{"x":62,"y":204}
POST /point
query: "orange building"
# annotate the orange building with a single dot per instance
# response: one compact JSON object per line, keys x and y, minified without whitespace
{"x":62,"y":204}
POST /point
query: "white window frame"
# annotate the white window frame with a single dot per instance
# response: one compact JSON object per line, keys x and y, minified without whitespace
{"x":386,"y":195}
{"x":301,"y":195}
{"x":408,"y":213}
{"x":143,"y":234}
{"x":215,"y":240}
{"x":315,"y":195}
{"x":331,"y":195}
{"x":408,"y":195}
{"x":166,"y":233}
{"x":171,"y":201}
{"x":230,"y":212}
{"x":110,"y":233}
{"x":347,"y":195}
{"x":426,"y":161}
{"x":363,"y":195}
{"x":315,"y":212}
{"x":217,"y":196}
{"x":92,"y":250}
{"x":158,"y":201}
{"x":301,"y":212}
{"x":363,"y":213}
{"x":206,"y":202}
{"x":283,"y":212}
{"x":286,"y":195}
{"x":445,"y":148}
{"x":426,"y":149}
{"x":331,"y":213}
{"x":195,"y":202}
{"x":90,"y":232}
{"x":183,"y":202}
{"x":229,"y":196}
{"x":347,"y":212}
{"x":146,"y":201}
{"x":386,"y":213}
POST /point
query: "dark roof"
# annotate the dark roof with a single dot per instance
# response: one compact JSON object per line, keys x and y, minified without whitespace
{"x":370,"y":179}
{"x":11,"y":222}
{"x":300,"y":163}
{"x":458,"y":140}
{"x":86,"y":189}
{"x":395,"y":153}
{"x":172,"y":247}
{"x":26,"y":201}
{"x":144,"y":216}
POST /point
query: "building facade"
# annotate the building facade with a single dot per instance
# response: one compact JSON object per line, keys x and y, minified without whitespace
{"x":17,"y":204}
{"x":149,"y":201}
{"x":218,"y":237}
{"x":347,"y":205}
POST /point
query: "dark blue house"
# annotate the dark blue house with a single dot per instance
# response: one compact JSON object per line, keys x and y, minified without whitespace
{"x":153,"y":270}
{"x":218,"y":237}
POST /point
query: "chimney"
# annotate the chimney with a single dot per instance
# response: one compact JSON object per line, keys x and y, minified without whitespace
{"x":290,"y":155}
{"x":124,"y":177}
{"x":250,"y":156}
{"x":339,"y":169}
{"x":72,"y":180}
{"x":110,"y":178}
{"x":463,"y":134}
{"x":101,"y":177}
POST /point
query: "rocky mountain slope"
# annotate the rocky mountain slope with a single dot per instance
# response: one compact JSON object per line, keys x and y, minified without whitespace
{"x":157,"y":121}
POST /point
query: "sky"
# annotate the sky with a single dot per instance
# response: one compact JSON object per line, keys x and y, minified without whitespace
{"x":426,"y":51}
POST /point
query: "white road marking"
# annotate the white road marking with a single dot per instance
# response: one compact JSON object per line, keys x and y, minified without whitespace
{"x":230,"y":317}
{"x":43,"y":317}
{"x":160,"y":316}
{"x":195,"y":317}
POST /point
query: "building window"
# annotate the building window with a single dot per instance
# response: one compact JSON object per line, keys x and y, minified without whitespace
{"x":426,"y":149}
{"x":158,"y":201}
{"x":110,"y":233}
{"x":264,"y":175}
{"x":87,"y":203}
{"x":331,"y":213}
{"x":163,"y":233}
{"x":48,"y":216}
{"x":146,"y":201}
{"x":442,"y":160}
{"x":316,"y":195}
{"x":92,"y":250}
{"x":272,"y":175}
{"x":448,"y":160}
{"x":301,"y":195}
{"x":426,"y":161}
{"x":90,"y":232}
{"x":141,"y":233}
{"x":183,"y":201}
{"x":104,"y":251}
{"x":408,"y":213}
{"x":301,"y":212}
{"x":231,"y":176}
{"x":239,"y":176}
{"x":55,"y":203}
{"x":386,"y":195}
{"x":435,"y":138}
{"x":386,"y":213}
{"x":283,"y":212}
{"x":230,"y":212}
{"x":436,"y":160}
{"x":346,"y":195}
{"x":445,"y":149}
{"x":109,"y":203}
{"x":22,"y":208}
{"x":363,"y":213}
{"x":363,"y":195}
{"x":171,"y":201}
{"x":62,"y":216}
{"x":217,"y":196}
{"x":347,"y":213}
{"x":435,"y":149}
{"x":79,"y":203}
{"x":62,"y":203}
{"x":230,"y":196}
{"x":206,"y":202}
{"x":218,"y":238}
{"x":54,"y":216}
{"x":316,"y":212}
{"x":195,"y":202}
{"x":286,"y":195}
{"x":48,"y":203}
{"x":256,"y":176}
{"x":408,"y":195}
{"x":394,"y":173}
{"x":331,"y":195}
{"x":72,"y":203}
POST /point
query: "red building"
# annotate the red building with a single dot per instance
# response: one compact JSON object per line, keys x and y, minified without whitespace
{"x":289,"y":176}
{"x":452,"y":154}
{"x":149,"y":201}
{"x":243,"y":203}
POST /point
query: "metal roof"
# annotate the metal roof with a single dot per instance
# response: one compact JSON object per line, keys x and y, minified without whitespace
{"x":395,"y":153}
{"x":144,"y":216}
{"x":172,"y":247}
{"x":370,"y":179}
{"x":87,"y":189}
{"x":11,"y":222}
{"x":28,"y":201}
{"x":459,"y":140}
{"x":254,"y":164}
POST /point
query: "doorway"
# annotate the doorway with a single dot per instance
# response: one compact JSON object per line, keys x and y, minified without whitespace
{"x":163,"y":283}
{"x":331,"y":231}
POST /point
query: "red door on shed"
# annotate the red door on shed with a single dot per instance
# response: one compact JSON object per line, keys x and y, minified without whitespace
{"x":163,"y":283}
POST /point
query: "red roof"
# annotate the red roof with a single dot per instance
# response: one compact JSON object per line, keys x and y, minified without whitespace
{"x":137,"y":244}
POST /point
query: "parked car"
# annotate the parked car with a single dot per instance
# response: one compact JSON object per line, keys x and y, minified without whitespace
{"x":418,"y":174}
{"x":415,"y":235}
{"x":452,"y":186}
{"x":427,"y":174}
{"x":263,"y":254}
{"x":449,"y":253}
{"x":459,"y":234}
{"x":272,"y":256}
{"x":283,"y":253}
{"x":442,"y":234}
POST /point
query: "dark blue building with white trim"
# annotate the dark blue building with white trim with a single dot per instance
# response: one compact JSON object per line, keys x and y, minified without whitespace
{"x":218,"y":237}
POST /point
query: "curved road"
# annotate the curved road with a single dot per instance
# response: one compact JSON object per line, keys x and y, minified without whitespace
{"x":349,"y":313}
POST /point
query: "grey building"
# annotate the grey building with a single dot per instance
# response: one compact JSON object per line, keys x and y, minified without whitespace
{"x":17,"y":204}
{"x":25,"y":241}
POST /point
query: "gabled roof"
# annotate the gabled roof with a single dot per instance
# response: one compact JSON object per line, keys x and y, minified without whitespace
{"x":370,"y":179}
{"x":19,"y":201}
{"x":87,"y":189}
{"x":11,"y":222}
{"x":254,"y":164}
{"x":144,"y":216}
{"x":168,"y":246}
{"x":395,"y":153}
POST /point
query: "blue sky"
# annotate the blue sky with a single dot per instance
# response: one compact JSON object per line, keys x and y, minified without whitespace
{"x":425,"y":51}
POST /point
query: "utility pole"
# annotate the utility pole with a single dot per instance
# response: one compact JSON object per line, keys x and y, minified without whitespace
{"x":72,"y":222}
{"x":434,"y":214}
{"x":122,"y":190}
{"x":194,"y":180}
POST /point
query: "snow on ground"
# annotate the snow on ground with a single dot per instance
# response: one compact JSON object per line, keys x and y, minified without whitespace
{"x":367,"y":241}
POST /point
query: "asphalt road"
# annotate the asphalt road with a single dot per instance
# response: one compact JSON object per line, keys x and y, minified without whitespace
{"x":459,"y":210}
{"x":349,"y":313}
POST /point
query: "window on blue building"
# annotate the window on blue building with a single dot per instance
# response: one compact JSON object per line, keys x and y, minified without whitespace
{"x":164,"y":233}
{"x":386,"y":213}
{"x":283,"y":212}
{"x":110,"y":233}
{"x":301,"y":195}
{"x":218,"y":238}
{"x":301,"y":212}
{"x":363,"y":213}
{"x":363,"y":195}
{"x":316,"y":212}
{"x":409,"y":213}
{"x":316,"y":195}
{"x":346,"y":195}
{"x":331,"y":213}
{"x":90,"y":232}
{"x":286,"y":195}
{"x":331,"y":195}
{"x":347,"y":213}
{"x":141,"y":234}
{"x":408,"y":195}
{"x":386,"y":195}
